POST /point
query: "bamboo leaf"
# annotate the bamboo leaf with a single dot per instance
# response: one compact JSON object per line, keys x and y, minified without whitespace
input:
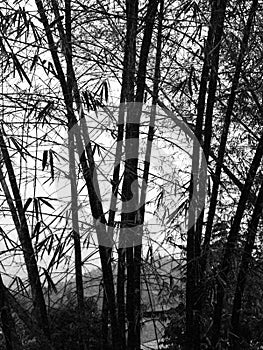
{"x":36,"y":230}
{"x":23,"y":13}
{"x":46,"y":202}
{"x":106,"y":91}
{"x":6,"y":244}
{"x":43,"y":243}
{"x":92,"y":102}
{"x":21,"y":286}
{"x":20,"y":69}
{"x":86,"y":97}
{"x":45,"y":111}
{"x":171,"y":282}
{"x":32,"y":109}
{"x":101,"y":94}
{"x":17,"y":146}
{"x":179,"y":208}
{"x":94,"y":149}
{"x":2,"y":46}
{"x":29,"y":200}
{"x":36,"y":207}
{"x":190,"y":82}
{"x":53,"y":259}
{"x":50,"y":244}
{"x":35,"y":33}
{"x":6,"y":237}
{"x":51,"y":163}
{"x":209,"y":187}
{"x":50,"y":69}
{"x":34,"y":62}
{"x":51,"y":284}
{"x":44,"y":159}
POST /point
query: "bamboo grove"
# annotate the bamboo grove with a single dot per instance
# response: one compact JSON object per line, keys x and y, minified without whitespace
{"x":62,"y":62}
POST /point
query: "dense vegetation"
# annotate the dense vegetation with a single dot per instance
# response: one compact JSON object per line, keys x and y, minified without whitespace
{"x":131,"y":152}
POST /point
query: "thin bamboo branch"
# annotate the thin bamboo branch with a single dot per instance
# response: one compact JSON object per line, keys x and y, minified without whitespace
{"x":19,"y":217}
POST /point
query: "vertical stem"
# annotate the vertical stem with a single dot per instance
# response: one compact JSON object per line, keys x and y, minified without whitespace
{"x":73,"y":180}
{"x":243,"y":269}
{"x":87,"y":169}
{"x":127,"y":94}
{"x":232,"y":240}
{"x":77,"y":243}
{"x":128,"y":220}
{"x":130,"y":174}
{"x":225,"y":131}
{"x":141,"y":210}
{"x":192,"y":337}
{"x":233,"y":234}
{"x":216,"y":33}
{"x":39,"y":305}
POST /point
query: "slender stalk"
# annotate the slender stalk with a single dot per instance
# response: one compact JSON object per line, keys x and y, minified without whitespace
{"x":192,"y":336}
{"x":73,"y":181}
{"x":128,"y":219}
{"x":231,"y":241}
{"x":233,"y":236}
{"x":141,"y":210}
{"x":77,"y":243}
{"x":243,"y":269}
{"x":225,"y":132}
{"x":127,"y":94}
{"x":217,"y":24}
{"x":88,"y":170}
{"x":145,"y":48}
{"x":130,"y":174}
{"x":39,"y":305}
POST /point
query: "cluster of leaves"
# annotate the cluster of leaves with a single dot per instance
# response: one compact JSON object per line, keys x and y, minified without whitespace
{"x":66,"y":325}
{"x":251,"y":315}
